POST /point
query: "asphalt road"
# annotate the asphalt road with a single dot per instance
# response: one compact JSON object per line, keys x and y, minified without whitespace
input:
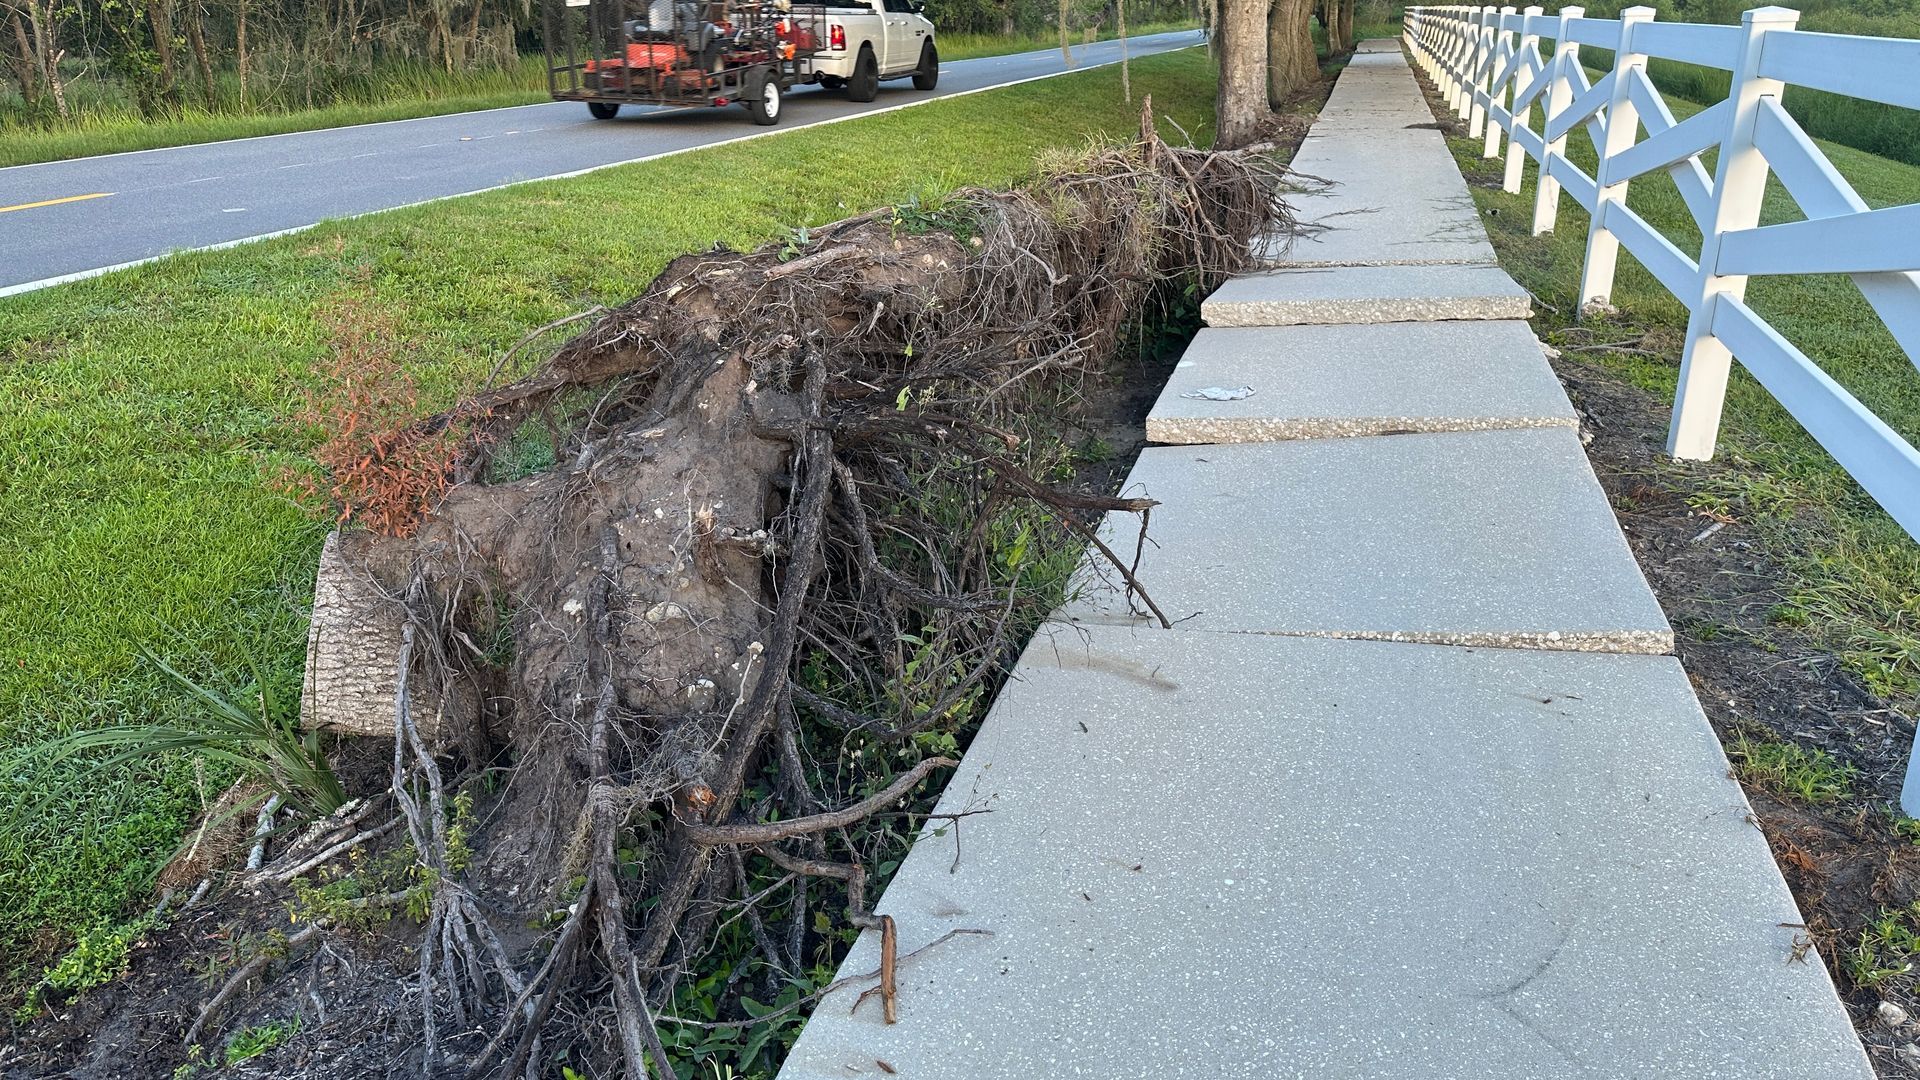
{"x":63,"y":220}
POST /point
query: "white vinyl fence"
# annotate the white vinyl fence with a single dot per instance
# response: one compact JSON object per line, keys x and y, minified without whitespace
{"x":1490,"y":65}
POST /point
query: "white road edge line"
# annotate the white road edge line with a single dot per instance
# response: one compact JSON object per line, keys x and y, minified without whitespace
{"x":528,"y":105}
{"x":83,"y":275}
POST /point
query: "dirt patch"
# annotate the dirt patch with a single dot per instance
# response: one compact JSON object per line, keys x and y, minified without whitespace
{"x":1759,"y":679}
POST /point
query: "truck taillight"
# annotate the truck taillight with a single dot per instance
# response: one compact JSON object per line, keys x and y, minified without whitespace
{"x":837,"y":37}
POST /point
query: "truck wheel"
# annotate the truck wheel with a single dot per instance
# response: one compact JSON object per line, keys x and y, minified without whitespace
{"x":763,"y":99}
{"x":927,"y":75}
{"x":865,"y":83}
{"x":603,"y":110}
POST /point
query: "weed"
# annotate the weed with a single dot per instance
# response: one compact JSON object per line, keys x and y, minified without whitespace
{"x":100,"y":956}
{"x":376,"y":466}
{"x":250,"y":1042}
{"x":255,"y":732}
{"x":1883,"y":957}
{"x":1906,"y":828}
{"x":1810,"y":776}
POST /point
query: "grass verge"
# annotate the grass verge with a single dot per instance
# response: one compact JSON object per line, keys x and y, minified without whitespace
{"x":151,"y":409}
{"x":409,"y":99}
{"x":1854,"y":574}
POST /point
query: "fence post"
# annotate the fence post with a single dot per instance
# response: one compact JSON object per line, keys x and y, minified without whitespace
{"x":1622,"y":128}
{"x":1457,"y":60}
{"x":1497,"y":93}
{"x":1566,"y":53}
{"x":1483,"y":71}
{"x":1452,"y":60}
{"x":1739,"y":185}
{"x":1476,"y":60}
{"x":1516,"y":154}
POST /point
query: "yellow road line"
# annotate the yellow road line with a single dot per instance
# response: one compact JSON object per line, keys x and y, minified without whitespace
{"x":54,"y":202}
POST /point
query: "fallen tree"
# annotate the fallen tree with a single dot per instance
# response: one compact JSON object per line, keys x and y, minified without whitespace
{"x":786,"y":513}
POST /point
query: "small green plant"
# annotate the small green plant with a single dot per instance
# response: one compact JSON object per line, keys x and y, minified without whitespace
{"x":100,"y":956}
{"x":797,"y":241}
{"x":250,"y":1042}
{"x":256,"y":731}
{"x":368,"y":893}
{"x":1788,"y":615}
{"x":1883,"y":958}
{"x":1906,"y":828}
{"x":190,"y":1068}
{"x":1809,"y":776}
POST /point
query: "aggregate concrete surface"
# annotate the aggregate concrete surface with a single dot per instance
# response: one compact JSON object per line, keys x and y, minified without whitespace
{"x":1366,"y":294}
{"x":1216,"y":856}
{"x":1322,"y":381}
{"x":1486,"y":538}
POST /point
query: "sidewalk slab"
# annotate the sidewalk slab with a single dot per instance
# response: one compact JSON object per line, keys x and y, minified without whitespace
{"x":1479,"y":538}
{"x":1211,"y":857}
{"x":1395,"y":198}
{"x":1366,"y":294}
{"x":1324,"y":381}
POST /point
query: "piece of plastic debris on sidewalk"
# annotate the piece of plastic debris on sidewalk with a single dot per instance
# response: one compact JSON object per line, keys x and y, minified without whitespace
{"x":1220,"y":393}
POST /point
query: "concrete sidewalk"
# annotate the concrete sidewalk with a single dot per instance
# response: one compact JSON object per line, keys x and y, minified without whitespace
{"x":1410,"y":789}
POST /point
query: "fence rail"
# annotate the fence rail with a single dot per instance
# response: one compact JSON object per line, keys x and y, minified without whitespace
{"x":1496,"y":66}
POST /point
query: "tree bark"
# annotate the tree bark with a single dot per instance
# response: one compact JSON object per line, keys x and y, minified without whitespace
{"x":1242,"y":99}
{"x":197,"y":37}
{"x":240,"y":46}
{"x":26,"y":66}
{"x":1343,"y":22}
{"x":43,"y":22}
{"x":160,"y":21}
{"x":1291,"y":61}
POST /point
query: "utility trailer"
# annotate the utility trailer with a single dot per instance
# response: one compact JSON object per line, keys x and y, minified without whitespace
{"x":691,"y":53}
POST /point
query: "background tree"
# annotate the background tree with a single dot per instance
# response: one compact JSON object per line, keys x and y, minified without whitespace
{"x":1242,"y":49}
{"x":1292,"y":62}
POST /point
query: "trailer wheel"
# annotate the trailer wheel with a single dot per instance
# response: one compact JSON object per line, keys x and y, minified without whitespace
{"x":603,"y":110}
{"x":832,"y":82}
{"x":763,"y":99}
{"x":927,"y":75}
{"x":865,"y":83}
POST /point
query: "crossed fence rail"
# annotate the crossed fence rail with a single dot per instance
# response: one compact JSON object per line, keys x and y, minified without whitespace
{"x":1490,"y":66}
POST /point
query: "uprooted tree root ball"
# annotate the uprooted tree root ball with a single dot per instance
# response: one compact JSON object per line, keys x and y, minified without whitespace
{"x":788,"y":507}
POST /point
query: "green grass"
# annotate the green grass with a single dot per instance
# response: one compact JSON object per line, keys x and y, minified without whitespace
{"x":148,"y":410}
{"x":1853,"y":574}
{"x":403,"y":96}
{"x":1793,"y":772}
{"x":1864,"y":125}
{"x":969,"y":46}
{"x":1883,"y":956}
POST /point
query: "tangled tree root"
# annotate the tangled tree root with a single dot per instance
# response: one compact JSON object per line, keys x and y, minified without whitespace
{"x":735,"y":550}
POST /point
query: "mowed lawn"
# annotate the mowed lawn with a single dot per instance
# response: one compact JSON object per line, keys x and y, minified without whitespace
{"x":144,"y":417}
{"x":1855,"y":573}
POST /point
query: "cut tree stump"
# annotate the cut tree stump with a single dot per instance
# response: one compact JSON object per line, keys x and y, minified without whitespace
{"x":352,"y":644}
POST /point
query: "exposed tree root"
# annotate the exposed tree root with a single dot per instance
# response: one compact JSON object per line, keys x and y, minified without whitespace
{"x":780,"y":509}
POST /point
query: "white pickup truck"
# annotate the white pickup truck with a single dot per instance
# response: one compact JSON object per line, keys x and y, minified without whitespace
{"x":866,"y":42}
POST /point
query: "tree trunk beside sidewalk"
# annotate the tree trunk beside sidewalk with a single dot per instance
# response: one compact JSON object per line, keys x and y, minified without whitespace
{"x":1291,"y":60}
{"x":1242,"y":100}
